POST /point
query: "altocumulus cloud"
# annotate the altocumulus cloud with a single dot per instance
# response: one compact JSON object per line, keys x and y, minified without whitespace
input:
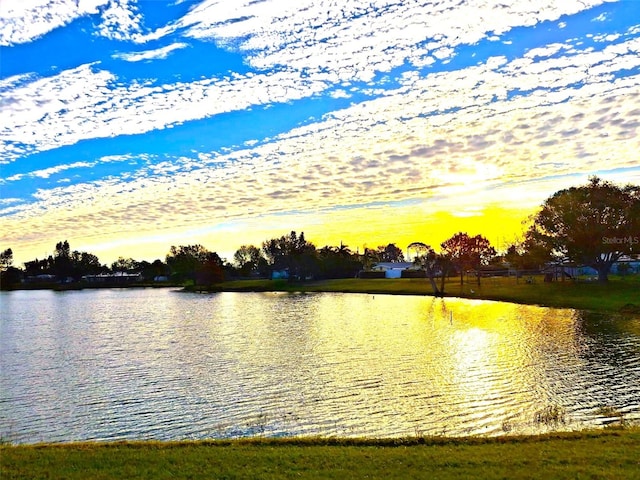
{"x":391,"y":104}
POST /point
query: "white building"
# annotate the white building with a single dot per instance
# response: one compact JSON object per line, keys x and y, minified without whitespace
{"x":392,"y":269}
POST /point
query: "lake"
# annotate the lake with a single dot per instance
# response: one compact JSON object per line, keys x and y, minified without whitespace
{"x":119,"y":364}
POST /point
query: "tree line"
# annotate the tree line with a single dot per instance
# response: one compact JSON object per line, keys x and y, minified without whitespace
{"x":290,"y":253}
{"x":592,"y":225}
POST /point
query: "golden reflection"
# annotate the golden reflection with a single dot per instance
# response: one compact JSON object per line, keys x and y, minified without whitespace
{"x":416,"y":364}
{"x":471,"y":356}
{"x":237,"y":364}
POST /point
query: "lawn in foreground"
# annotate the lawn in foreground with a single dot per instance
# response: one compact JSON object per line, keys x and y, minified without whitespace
{"x":610,"y":454}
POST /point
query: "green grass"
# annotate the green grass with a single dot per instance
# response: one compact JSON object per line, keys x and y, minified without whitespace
{"x":621,"y":293}
{"x":607,"y":454}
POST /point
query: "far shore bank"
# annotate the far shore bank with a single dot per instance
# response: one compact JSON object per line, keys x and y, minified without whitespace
{"x":620,"y":295}
{"x":605,"y":453}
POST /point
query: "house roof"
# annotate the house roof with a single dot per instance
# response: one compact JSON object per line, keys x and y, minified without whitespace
{"x":393,"y":265}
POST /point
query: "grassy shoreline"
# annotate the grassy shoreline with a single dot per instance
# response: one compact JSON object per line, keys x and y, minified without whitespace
{"x":620,"y":295}
{"x":608,"y":453}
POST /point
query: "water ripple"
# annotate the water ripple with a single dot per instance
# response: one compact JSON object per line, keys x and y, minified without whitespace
{"x":158,"y":364}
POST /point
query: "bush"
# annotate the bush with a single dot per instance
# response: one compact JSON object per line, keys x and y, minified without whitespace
{"x":371,"y":275}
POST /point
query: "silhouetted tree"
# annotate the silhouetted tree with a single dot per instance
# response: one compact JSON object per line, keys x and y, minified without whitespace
{"x":338,"y":262}
{"x":152,"y":270}
{"x":84,"y":263}
{"x":390,"y":253}
{"x":210,"y":271}
{"x":6,"y":259}
{"x":248,"y":259}
{"x":185,"y":260}
{"x":37,"y":267}
{"x":62,"y":266}
{"x":293,"y":253}
{"x":66,"y":264}
{"x":196,"y":263}
{"x":530,"y":254}
{"x":592,"y":225}
{"x":9,"y":275}
{"x":125,"y":265}
{"x":468,"y":252}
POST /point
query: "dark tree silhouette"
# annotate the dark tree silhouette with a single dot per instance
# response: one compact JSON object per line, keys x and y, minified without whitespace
{"x":6,"y":259}
{"x":186,"y":261}
{"x":293,"y":253}
{"x":125,"y":265}
{"x":338,"y":262}
{"x":249,"y":259}
{"x":592,"y":225}
{"x":467,"y":252}
{"x":9,"y":275}
{"x":390,"y":253}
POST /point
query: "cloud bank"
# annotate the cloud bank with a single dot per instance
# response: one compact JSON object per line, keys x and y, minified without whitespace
{"x":428,"y":110}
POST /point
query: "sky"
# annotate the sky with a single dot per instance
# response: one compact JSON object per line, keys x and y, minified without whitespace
{"x":129,"y":126}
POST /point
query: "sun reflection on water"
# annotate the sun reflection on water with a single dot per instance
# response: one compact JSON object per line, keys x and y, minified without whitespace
{"x":159,"y":364}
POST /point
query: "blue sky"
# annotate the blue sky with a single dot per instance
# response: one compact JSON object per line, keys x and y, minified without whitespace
{"x":130,"y":126}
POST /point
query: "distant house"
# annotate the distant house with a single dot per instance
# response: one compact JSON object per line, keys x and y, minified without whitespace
{"x":626,"y":265}
{"x":392,"y":269}
{"x":42,"y":278}
{"x":113,"y":278}
{"x":280,"y":274}
{"x":555,"y":271}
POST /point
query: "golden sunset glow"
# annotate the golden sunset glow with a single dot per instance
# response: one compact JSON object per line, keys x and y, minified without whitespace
{"x":369,"y":124}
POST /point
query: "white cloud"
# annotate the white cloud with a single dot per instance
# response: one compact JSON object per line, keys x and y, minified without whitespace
{"x":352,"y":158}
{"x":47,"y":172}
{"x":25,"y":20}
{"x":121,"y":21}
{"x":546,"y":51}
{"x":600,"y":18}
{"x":340,"y":93}
{"x":312,"y":36}
{"x":607,"y":38}
{"x":85,"y":102}
{"x":8,"y":201}
{"x":158,"y":53}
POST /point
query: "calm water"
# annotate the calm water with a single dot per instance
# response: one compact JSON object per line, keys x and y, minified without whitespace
{"x":159,"y":364}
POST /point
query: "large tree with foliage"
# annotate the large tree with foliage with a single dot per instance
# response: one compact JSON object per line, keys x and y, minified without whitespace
{"x":6,"y":259}
{"x":211,"y":270}
{"x":66,"y":264}
{"x":85,"y":263}
{"x":125,"y":265}
{"x":9,"y":275}
{"x":152,"y":270}
{"x":529,"y":254}
{"x":249,"y":259}
{"x":390,"y":253}
{"x":196,"y":263}
{"x":293,"y":253}
{"x":62,"y":264}
{"x":338,"y":262}
{"x":592,"y":225}
{"x":467,"y":252}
